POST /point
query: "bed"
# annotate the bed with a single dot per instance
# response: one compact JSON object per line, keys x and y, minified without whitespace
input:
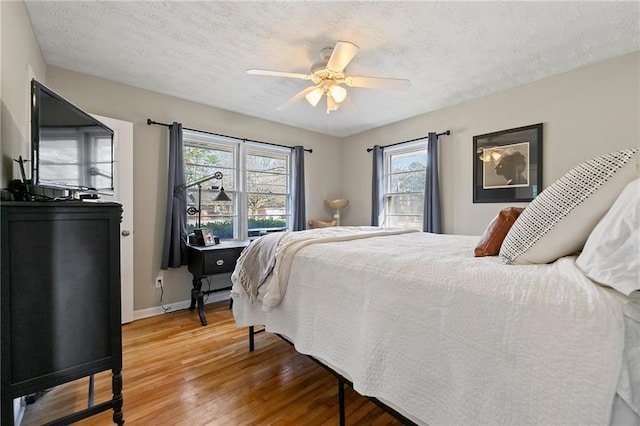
{"x":416,"y":321}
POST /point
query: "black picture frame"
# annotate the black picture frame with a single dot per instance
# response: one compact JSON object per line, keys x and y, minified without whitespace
{"x":204,"y":237}
{"x":507,"y":165}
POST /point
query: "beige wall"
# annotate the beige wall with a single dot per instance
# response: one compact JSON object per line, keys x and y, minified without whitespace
{"x":150,"y":159}
{"x":20,"y":54}
{"x":586,"y":112}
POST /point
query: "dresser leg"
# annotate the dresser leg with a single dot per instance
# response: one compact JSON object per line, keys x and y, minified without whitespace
{"x":6,"y":417}
{"x":116,"y":385}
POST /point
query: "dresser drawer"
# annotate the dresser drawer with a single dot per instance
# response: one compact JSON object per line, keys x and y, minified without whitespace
{"x":220,"y":261}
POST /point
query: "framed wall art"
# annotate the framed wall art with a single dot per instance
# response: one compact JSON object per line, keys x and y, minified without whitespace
{"x":507,"y":165}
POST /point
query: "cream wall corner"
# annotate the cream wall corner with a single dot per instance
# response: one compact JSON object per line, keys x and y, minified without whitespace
{"x":21,"y":60}
{"x":586,"y":112}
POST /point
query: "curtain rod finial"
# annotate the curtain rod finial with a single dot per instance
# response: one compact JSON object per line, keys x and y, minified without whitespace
{"x":149,"y":122}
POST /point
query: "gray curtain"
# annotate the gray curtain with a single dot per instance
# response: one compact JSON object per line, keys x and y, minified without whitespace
{"x":174,"y":251}
{"x":299,"y":211}
{"x":431,"y":221}
{"x":377,"y":201}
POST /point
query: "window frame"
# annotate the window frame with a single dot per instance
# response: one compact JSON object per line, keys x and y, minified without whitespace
{"x":248,"y":148}
{"x":387,"y":178}
{"x":239,"y":194}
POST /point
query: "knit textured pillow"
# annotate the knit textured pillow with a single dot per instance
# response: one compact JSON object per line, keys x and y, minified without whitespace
{"x":558,"y":221}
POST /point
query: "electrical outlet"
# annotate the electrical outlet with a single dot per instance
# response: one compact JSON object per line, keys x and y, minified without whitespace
{"x":159,"y":280}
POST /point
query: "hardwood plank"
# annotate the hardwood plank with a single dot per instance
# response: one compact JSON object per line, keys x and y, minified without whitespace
{"x":177,"y":372}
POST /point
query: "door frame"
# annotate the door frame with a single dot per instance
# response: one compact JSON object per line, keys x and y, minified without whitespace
{"x":123,"y":194}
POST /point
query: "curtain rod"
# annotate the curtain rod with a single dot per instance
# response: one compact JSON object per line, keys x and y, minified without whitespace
{"x":150,"y":122}
{"x":448,"y":132}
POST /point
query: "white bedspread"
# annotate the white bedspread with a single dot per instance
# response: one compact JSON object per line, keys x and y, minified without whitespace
{"x":291,"y":242}
{"x":416,"y":321}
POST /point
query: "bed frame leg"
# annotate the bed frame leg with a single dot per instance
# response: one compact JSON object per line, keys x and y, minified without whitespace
{"x":251,"y":343}
{"x":341,"y":400}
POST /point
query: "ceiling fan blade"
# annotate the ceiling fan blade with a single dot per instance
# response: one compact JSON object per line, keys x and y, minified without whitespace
{"x":300,"y":95}
{"x":378,"y":83}
{"x":279,"y":74}
{"x":342,"y":55}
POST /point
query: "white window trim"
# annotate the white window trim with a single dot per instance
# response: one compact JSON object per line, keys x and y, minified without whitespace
{"x":208,"y":141}
{"x":245,"y":148}
{"x":409,"y":147}
{"x":241,"y":150}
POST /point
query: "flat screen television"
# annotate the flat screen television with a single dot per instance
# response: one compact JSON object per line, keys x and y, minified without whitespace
{"x":71,"y":150}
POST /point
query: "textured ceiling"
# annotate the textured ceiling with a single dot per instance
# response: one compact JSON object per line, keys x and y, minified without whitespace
{"x":451,"y":51}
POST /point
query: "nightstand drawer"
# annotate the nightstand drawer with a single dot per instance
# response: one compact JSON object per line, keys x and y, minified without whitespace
{"x":220,"y":261}
{"x":216,"y":259}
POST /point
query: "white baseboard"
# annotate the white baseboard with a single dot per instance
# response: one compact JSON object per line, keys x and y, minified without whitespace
{"x":176,"y":306}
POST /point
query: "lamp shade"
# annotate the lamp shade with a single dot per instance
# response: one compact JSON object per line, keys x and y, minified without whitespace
{"x":338,"y":93}
{"x":313,"y":97}
{"x":221,"y":196}
{"x":332,"y":105}
{"x":337,"y":204}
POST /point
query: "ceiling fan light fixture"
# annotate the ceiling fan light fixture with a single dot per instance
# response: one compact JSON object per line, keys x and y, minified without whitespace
{"x":314,"y":96}
{"x":328,"y":77}
{"x":338,"y":93}
{"x":332,"y":105}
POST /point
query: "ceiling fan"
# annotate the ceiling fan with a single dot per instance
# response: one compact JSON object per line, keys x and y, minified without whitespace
{"x":328,"y":75}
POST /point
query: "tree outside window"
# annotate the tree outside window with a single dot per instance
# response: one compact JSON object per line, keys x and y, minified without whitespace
{"x":268,"y":191}
{"x":260,"y":195}
{"x":405,"y":170}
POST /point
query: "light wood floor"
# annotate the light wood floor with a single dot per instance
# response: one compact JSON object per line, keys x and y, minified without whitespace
{"x":177,"y":372}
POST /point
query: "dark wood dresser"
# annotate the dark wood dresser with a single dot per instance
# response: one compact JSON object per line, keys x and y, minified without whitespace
{"x":59,"y":300}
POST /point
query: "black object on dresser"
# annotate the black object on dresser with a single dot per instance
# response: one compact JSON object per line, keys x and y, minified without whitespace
{"x":59,"y":300}
{"x":211,"y":260}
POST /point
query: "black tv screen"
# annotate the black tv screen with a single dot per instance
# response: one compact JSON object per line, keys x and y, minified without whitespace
{"x":70,"y":149}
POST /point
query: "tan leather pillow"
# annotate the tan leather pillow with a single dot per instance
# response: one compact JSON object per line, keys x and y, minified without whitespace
{"x":497,"y":230}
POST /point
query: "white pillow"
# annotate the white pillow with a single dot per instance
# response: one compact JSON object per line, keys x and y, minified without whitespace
{"x":559,"y":220}
{"x":611,"y":255}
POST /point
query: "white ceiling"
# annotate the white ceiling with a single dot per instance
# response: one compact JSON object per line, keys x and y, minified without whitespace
{"x":451,"y":51}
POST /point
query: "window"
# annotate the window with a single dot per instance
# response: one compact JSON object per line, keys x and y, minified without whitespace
{"x":268,"y":194}
{"x":257,"y":178}
{"x":404,"y":180}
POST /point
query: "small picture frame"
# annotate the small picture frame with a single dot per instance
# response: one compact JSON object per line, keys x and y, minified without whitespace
{"x":207,"y":237}
{"x":507,"y":165}
{"x":204,"y":237}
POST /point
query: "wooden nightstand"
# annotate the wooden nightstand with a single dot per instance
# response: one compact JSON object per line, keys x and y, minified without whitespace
{"x":211,"y":260}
